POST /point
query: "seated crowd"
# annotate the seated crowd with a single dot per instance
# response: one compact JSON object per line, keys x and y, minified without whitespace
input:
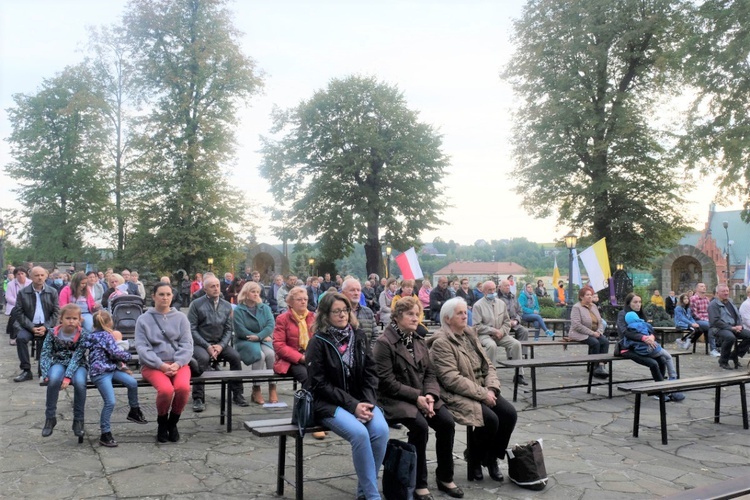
{"x":326,"y":336}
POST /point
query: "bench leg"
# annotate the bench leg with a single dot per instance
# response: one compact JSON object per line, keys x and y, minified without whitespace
{"x":717,"y":405}
{"x":663,"y":417}
{"x":469,"y":432}
{"x":222,"y":411}
{"x":591,"y":376}
{"x":229,"y":402}
{"x":636,"y":415}
{"x":743,"y":402}
{"x":299,"y":482}
{"x":677,"y":365}
{"x":610,"y":380}
{"x":533,"y":386}
{"x":515,"y":385}
{"x":280,"y":467}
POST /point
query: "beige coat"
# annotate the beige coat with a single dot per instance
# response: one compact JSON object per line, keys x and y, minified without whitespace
{"x":580,"y":322}
{"x":459,"y":390}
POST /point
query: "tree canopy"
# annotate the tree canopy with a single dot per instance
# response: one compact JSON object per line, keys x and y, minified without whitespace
{"x":354,"y":164}
{"x":587,"y":72}
{"x":716,"y":55}
{"x":193,"y":75}
{"x":57,"y":144}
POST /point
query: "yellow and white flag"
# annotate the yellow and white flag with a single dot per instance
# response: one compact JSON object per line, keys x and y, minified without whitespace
{"x":555,"y":274}
{"x":596,"y":262}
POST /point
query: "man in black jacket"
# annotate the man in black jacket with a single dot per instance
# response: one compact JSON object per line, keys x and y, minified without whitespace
{"x":36,"y":312}
{"x":210,"y":319}
{"x":439,"y":296}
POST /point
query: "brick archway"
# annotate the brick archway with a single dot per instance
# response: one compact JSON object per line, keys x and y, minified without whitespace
{"x":686,"y":266}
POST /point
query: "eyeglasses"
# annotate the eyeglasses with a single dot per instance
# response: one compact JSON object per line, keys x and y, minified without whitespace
{"x":339,"y":312}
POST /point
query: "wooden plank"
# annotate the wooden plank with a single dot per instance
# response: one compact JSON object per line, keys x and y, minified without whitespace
{"x":731,"y":488}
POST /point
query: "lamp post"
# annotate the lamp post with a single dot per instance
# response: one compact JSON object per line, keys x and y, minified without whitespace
{"x":570,"y":243}
{"x":311,"y":261}
{"x":3,"y":232}
{"x":388,"y":251}
{"x":211,"y":264}
{"x":726,"y":229}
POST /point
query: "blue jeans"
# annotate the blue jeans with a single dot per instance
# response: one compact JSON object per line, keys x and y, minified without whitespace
{"x":88,"y":322}
{"x":55,"y":375}
{"x":710,"y":334}
{"x":368,"y":446}
{"x":103,"y":382}
{"x":535,"y":318}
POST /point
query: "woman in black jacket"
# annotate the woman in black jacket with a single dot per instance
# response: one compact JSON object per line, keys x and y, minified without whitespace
{"x":342,"y":377}
{"x":634,"y":303}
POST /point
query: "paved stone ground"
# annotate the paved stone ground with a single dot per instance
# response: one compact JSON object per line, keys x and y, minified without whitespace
{"x":589,"y":450}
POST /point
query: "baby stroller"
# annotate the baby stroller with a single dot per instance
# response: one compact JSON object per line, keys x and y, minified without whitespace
{"x":126,"y":309}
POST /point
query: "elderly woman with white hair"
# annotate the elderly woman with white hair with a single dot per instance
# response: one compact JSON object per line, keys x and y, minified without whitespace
{"x":253,"y":334}
{"x":470,"y":389}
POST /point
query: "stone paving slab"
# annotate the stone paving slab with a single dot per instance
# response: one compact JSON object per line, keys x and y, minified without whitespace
{"x":588,"y":445}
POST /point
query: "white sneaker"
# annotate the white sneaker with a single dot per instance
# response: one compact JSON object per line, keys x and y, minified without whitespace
{"x":680,"y":343}
{"x":715,"y":353}
{"x":688,"y":344}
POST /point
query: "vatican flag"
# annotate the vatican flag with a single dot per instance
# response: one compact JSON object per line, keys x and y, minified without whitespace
{"x":596,"y":261}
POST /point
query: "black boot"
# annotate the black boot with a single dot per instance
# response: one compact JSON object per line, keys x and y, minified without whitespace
{"x":494,"y":469}
{"x":474,"y":472}
{"x":172,"y":431}
{"x":78,"y":428}
{"x":162,"y":433}
{"x":49,"y":424}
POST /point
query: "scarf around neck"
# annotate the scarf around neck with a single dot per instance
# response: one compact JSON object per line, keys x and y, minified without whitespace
{"x":301,"y":320}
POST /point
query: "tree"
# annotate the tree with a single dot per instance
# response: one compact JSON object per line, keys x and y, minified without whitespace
{"x":587,"y":72}
{"x":57,"y":143}
{"x":355,"y":163}
{"x":114,"y":72}
{"x":193,"y":74}
{"x":717,"y":63}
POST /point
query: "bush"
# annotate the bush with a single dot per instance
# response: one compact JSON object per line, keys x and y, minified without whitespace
{"x":551,"y":312}
{"x":546,"y":302}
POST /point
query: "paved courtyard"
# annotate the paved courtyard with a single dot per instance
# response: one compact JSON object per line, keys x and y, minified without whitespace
{"x":588,"y":445}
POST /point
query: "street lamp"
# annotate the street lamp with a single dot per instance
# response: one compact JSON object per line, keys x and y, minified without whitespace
{"x":726,"y":229}
{"x":311,"y":261}
{"x":570,"y":244}
{"x":3,"y":232}
{"x":388,"y":250}
{"x":211,"y":264}
{"x":620,"y":267}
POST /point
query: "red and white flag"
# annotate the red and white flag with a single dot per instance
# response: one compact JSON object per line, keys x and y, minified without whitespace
{"x":409,"y":265}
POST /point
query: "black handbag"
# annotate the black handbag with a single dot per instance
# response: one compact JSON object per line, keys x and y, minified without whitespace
{"x":526,"y":465}
{"x":399,"y":470}
{"x":302,"y":411}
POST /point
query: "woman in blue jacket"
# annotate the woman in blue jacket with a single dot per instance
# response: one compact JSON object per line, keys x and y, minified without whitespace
{"x":683,"y":319}
{"x":530,"y":307}
{"x":253,"y":331}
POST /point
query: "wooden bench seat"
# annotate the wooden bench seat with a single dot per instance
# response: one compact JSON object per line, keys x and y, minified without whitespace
{"x":535,"y":363}
{"x":223,"y":378}
{"x":532,"y":344}
{"x":662,"y":389}
{"x":283,"y":428}
{"x":730,"y":488}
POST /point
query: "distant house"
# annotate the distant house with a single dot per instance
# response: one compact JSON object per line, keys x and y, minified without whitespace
{"x":480,"y":271}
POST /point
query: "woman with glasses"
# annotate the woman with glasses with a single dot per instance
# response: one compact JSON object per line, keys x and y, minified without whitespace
{"x":342,"y":377}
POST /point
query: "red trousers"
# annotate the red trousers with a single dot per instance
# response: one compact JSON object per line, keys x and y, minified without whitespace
{"x":170,"y":391}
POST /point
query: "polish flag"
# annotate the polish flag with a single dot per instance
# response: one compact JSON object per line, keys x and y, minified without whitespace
{"x":409,"y":265}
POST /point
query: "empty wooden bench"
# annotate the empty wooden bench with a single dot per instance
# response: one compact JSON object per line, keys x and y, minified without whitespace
{"x":661,"y":389}
{"x":283,"y":428}
{"x":535,"y":363}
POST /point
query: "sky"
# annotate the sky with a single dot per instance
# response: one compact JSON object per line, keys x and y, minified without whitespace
{"x":444,"y":55}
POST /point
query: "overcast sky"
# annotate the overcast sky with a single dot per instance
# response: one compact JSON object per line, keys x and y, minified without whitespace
{"x":444,"y":55}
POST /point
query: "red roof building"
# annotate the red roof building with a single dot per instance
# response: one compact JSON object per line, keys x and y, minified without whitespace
{"x":480,"y":271}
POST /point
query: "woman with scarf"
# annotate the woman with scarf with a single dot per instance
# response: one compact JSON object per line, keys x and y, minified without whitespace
{"x":342,"y":379}
{"x":291,"y":336}
{"x":409,"y":393}
{"x":407,"y":290}
{"x":253,"y":330}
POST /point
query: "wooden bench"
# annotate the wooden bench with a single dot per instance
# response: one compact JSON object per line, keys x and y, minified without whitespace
{"x":283,"y":428}
{"x":661,"y":389}
{"x":223,"y":378}
{"x":535,"y":363}
{"x":531,"y":344}
{"x":731,"y":488}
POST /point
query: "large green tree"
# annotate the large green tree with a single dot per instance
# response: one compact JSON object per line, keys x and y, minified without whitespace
{"x":355,"y":164}
{"x":193,"y":75}
{"x":114,"y":72}
{"x":717,"y":62}
{"x":58,"y":148}
{"x":585,"y":141}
